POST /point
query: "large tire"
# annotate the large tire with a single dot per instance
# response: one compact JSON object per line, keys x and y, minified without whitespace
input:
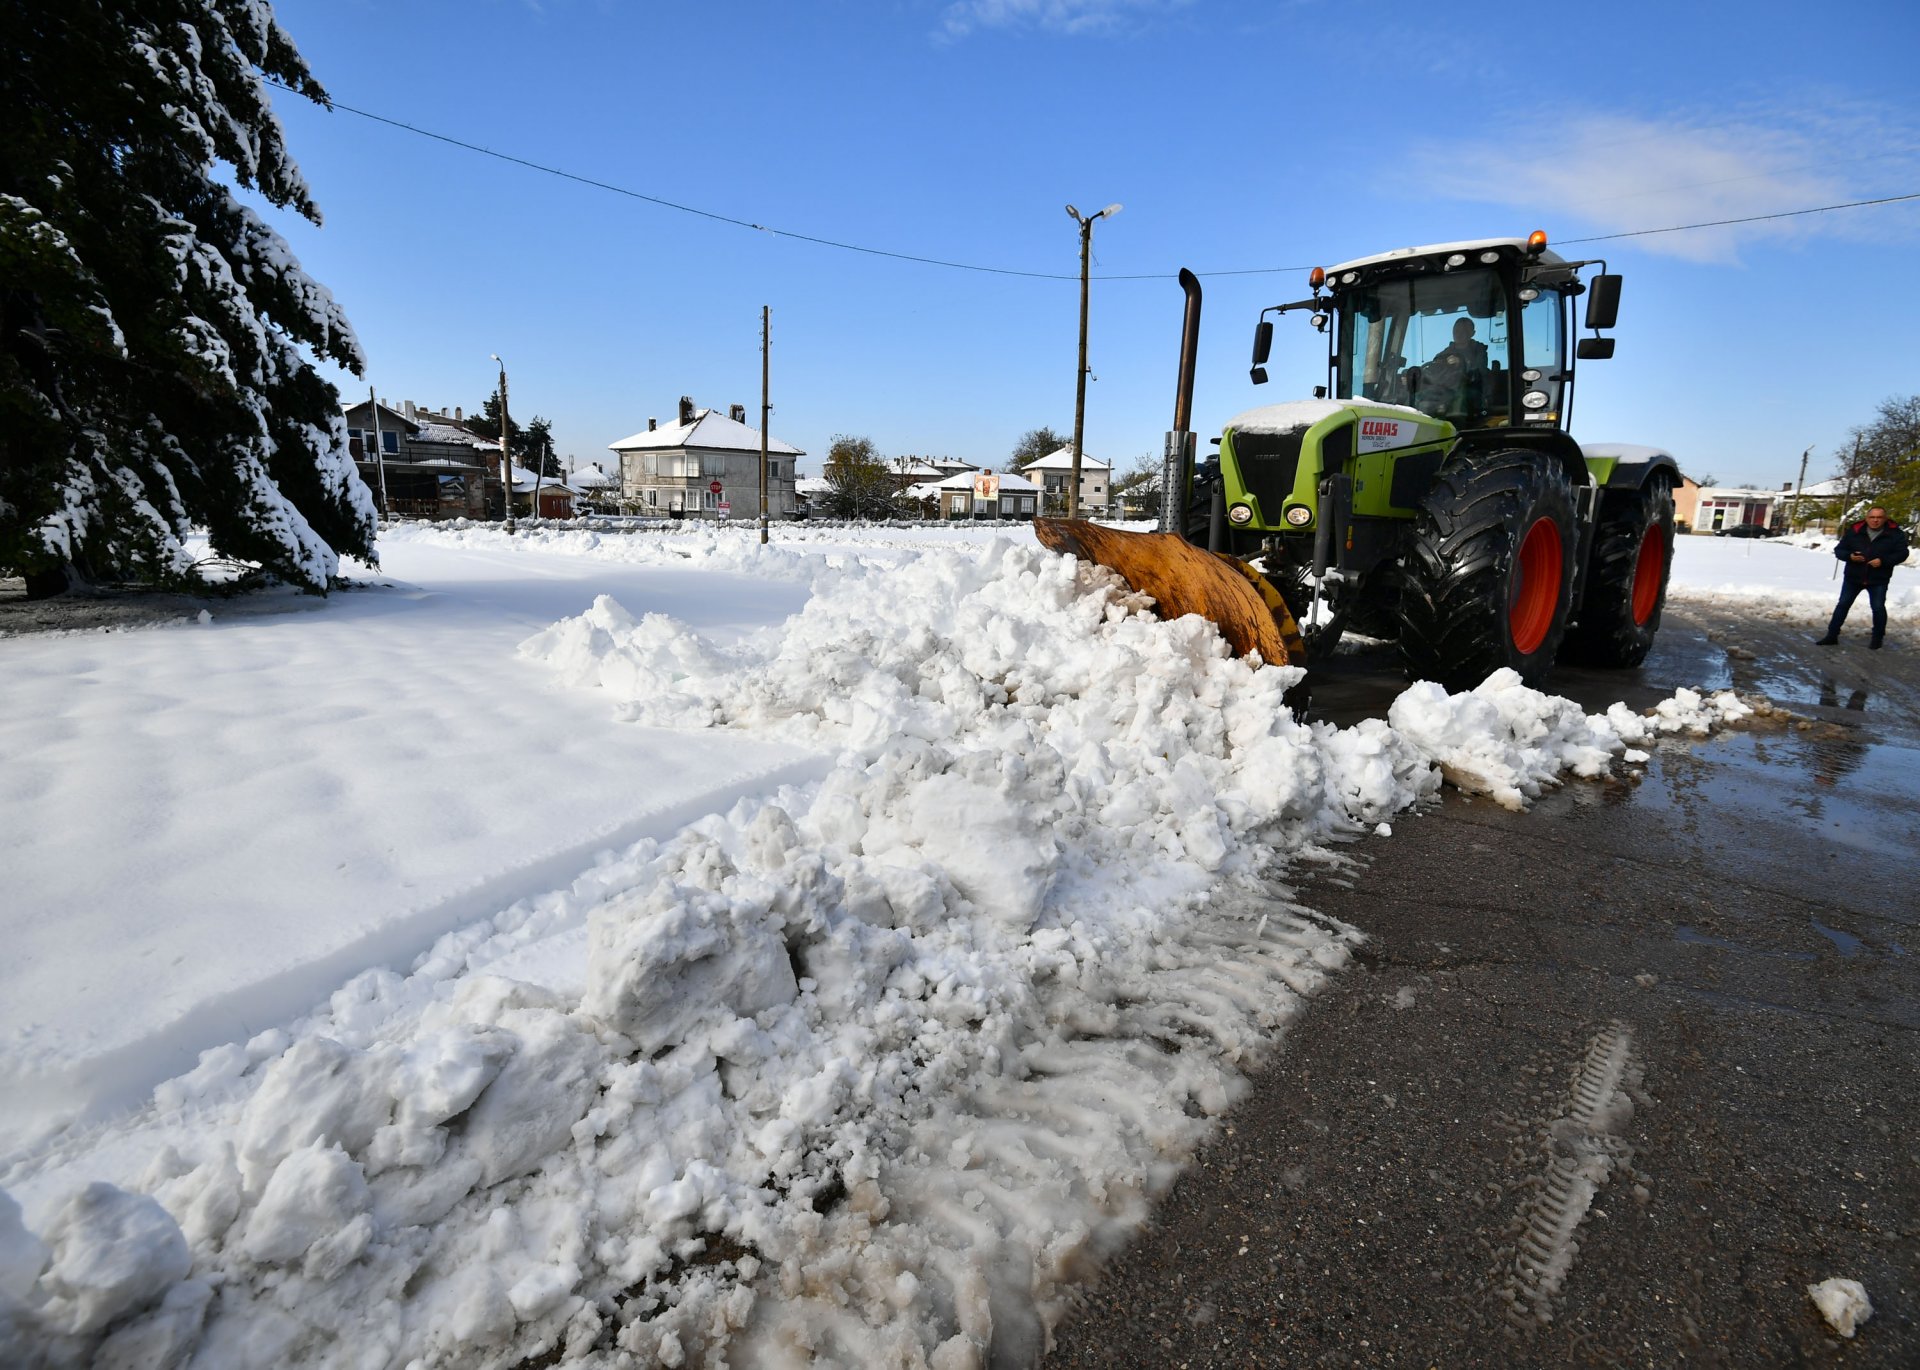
{"x":1626,"y":578}
{"x":1488,"y":574}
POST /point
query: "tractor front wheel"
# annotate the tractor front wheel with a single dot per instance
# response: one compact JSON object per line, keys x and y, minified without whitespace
{"x":1626,"y":579}
{"x":1488,"y":574}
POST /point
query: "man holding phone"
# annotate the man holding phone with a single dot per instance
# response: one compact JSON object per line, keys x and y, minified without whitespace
{"x":1869,"y":550}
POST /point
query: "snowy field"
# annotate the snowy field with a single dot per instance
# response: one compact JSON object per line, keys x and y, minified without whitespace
{"x":657,"y":943}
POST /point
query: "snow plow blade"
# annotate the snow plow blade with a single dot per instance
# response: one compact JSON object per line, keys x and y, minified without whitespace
{"x":1184,"y":579}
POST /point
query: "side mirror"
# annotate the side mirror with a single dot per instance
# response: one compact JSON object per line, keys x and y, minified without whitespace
{"x":1594,"y":349}
{"x":1603,"y":301}
{"x":1262,"y":343}
{"x":1259,"y":375}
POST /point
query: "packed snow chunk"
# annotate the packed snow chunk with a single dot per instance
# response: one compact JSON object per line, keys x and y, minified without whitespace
{"x":111,"y":1252}
{"x":164,"y":1337}
{"x":670,"y":956}
{"x":22,"y":1255}
{"x":1843,"y":1303}
{"x":541,"y":1290}
{"x":990,"y":846}
{"x":316,"y":1193}
{"x":318,"y":1090}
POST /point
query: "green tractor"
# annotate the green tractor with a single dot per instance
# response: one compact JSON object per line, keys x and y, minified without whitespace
{"x":1430,"y":493}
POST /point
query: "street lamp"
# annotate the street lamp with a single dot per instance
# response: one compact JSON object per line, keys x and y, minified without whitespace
{"x":1080,"y":378}
{"x":506,"y":460}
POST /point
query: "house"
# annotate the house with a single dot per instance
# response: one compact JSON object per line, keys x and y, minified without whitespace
{"x":674,"y":470}
{"x":1053,"y":473}
{"x":1804,"y":511}
{"x":981,"y":494}
{"x":430,"y":468}
{"x":1724,"y":507}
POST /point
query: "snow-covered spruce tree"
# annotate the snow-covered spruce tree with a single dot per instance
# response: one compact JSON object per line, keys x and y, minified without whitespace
{"x":155,"y":335}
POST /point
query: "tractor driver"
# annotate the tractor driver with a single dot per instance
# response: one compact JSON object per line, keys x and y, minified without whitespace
{"x":1456,"y":377}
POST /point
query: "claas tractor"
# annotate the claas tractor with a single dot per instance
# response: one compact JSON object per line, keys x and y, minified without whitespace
{"x":1430,"y":493}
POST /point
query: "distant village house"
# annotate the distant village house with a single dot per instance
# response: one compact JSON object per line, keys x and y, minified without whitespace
{"x":674,"y":470}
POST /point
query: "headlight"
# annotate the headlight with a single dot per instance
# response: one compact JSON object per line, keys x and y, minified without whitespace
{"x":1350,"y":278}
{"x":1489,"y":257}
{"x":1457,"y":259}
{"x":1298,"y":515}
{"x":1534,"y":399}
{"x":1240,"y":513}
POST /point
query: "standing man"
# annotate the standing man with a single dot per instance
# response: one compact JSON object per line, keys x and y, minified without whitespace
{"x":1869,"y":550}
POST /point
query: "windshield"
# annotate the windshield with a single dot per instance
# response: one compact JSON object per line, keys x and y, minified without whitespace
{"x":1438,"y":343}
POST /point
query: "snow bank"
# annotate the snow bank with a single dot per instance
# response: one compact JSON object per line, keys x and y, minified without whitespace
{"x":863,"y":1071}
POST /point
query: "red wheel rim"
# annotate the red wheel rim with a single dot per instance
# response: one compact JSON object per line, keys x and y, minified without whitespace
{"x":1536,"y":590}
{"x":1646,"y":574}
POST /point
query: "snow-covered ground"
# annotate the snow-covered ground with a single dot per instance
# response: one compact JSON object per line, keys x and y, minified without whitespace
{"x":661,"y":943}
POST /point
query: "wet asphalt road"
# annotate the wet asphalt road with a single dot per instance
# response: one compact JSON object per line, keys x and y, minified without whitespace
{"x":1725,"y":942}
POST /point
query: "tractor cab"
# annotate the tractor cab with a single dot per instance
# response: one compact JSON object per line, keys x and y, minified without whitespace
{"x":1474,"y":334}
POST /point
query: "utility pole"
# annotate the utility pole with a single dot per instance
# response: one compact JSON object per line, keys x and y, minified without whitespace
{"x":766,"y":313}
{"x":1080,"y":378}
{"x":506,"y":458}
{"x":539,"y":470}
{"x":1799,"y":484}
{"x":380,"y":455}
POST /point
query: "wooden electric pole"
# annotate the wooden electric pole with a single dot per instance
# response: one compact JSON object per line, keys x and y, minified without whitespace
{"x":765,"y":409}
{"x":380,"y":455}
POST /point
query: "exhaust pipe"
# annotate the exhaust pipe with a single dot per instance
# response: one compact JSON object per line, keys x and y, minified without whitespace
{"x":1176,"y":467}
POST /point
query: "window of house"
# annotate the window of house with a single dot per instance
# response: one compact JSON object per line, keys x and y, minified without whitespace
{"x":353,"y":435}
{"x":773,"y":469}
{"x":688,"y":467}
{"x":390,"y":443}
{"x":653,"y":498}
{"x":709,"y":500}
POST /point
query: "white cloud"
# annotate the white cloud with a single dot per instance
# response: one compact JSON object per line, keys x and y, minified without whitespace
{"x":1059,"y":16}
{"x":1604,"y":173}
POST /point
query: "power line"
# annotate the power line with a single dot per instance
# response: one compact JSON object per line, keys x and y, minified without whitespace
{"x":1001,"y":270}
{"x":1750,"y":219}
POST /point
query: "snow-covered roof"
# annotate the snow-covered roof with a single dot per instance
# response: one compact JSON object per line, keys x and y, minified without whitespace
{"x":1549,"y":257}
{"x":1010,"y":484}
{"x":928,"y":489}
{"x":710,"y":430}
{"x":589,"y":478}
{"x":812,"y":485}
{"x":446,"y":432}
{"x":1061,"y":459}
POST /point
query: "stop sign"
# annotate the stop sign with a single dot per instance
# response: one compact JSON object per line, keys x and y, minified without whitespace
{"x":715,"y":487}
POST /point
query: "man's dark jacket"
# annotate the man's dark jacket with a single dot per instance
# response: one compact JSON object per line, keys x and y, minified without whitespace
{"x":1890,"y":547}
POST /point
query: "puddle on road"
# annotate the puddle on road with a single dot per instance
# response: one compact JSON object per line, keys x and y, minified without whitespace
{"x":1693,"y":937}
{"x":1849,"y":944}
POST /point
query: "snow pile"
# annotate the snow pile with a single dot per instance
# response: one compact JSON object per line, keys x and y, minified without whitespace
{"x":864,"y":1071}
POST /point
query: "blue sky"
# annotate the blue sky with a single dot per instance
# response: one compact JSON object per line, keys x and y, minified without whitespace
{"x":1238,"y":136}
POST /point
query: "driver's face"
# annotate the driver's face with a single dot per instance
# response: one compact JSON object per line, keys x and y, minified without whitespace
{"x":1876,"y":517}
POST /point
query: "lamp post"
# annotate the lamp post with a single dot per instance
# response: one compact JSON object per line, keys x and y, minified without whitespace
{"x":506,"y":459}
{"x":1080,"y":377}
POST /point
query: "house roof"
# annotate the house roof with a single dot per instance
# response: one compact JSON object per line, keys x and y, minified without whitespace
{"x":710,"y":430}
{"x":1061,"y":459}
{"x":1010,"y":484}
{"x":446,"y":432}
{"x":589,"y":478}
{"x":389,"y":418}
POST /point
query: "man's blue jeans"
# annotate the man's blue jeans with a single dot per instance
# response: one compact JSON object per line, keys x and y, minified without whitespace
{"x":1876,"y":600}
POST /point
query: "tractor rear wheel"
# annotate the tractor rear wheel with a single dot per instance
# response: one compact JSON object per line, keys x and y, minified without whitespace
{"x":1488,"y":574}
{"x":1626,"y":579}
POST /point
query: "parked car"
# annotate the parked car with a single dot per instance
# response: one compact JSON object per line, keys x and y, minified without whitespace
{"x":1744,"y":530}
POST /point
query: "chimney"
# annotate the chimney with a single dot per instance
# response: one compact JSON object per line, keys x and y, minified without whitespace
{"x":686,"y":410}
{"x":456,"y":414}
{"x":737,"y":412}
{"x":408,"y":409}
{"x":652,"y":423}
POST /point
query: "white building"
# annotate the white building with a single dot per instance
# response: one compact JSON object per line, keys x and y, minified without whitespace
{"x":1722,"y":507}
{"x":675,"y":467}
{"x":982,"y":494}
{"x":1053,"y":473}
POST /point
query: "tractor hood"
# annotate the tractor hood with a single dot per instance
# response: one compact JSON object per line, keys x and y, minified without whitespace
{"x":1296,"y":416}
